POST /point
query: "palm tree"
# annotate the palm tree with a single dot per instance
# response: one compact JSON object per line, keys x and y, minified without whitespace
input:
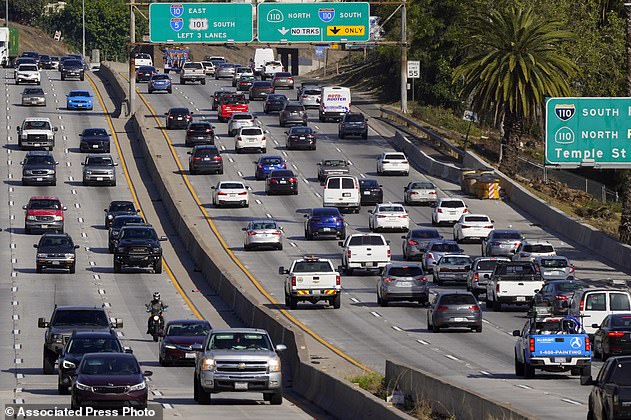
{"x":516,"y":63}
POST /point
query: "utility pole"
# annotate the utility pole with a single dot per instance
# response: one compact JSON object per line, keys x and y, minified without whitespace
{"x":6,"y":13}
{"x":83,"y":26}
{"x":404,"y":60}
{"x":132,"y":70}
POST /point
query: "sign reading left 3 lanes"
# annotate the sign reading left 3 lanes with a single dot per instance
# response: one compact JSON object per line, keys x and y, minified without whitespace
{"x":176,"y":23}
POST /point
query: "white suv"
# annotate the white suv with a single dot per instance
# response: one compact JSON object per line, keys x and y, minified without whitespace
{"x":27,"y":73}
{"x":448,"y":210}
{"x":250,"y":138}
{"x":393,"y":162}
{"x":529,"y":250}
{"x":240,"y":119}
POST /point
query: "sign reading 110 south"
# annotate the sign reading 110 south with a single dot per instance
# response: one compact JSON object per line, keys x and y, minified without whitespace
{"x":200,"y":22}
{"x":588,"y":132}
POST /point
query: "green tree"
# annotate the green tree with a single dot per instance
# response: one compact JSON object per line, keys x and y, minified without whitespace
{"x":515,"y":62}
{"x":24,"y":11}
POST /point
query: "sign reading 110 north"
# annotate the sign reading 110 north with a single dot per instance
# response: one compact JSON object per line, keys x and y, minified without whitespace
{"x":200,"y":22}
{"x":588,"y":132}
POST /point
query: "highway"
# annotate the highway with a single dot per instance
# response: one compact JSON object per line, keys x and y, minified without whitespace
{"x":25,"y":295}
{"x":362,"y":329}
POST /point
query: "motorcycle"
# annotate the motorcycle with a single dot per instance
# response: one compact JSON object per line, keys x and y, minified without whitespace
{"x":156,"y":325}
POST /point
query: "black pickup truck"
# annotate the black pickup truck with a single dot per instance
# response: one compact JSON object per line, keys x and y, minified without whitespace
{"x":611,"y":396}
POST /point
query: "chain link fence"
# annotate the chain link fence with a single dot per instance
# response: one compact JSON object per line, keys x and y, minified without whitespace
{"x":599,"y":191}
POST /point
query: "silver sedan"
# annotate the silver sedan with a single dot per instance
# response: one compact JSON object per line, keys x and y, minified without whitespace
{"x":263,"y":233}
{"x":419,"y":192}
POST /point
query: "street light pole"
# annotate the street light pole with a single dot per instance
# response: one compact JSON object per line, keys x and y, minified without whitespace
{"x":83,"y":24}
{"x":6,"y":13}
{"x":404,"y":60}
{"x":132,"y":70}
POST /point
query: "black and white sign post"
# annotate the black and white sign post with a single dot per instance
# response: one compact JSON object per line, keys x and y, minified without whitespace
{"x":414,"y":72}
{"x":471,"y":117}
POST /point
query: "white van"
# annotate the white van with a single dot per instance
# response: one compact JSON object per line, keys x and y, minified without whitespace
{"x":341,"y":191}
{"x":335,"y":102}
{"x":142,"y":59}
{"x":592,"y":305}
{"x":262,"y":56}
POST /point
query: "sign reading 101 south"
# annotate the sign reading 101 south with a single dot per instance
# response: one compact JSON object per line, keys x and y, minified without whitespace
{"x":200,"y":22}
{"x":588,"y":132}
{"x":313,"y":22}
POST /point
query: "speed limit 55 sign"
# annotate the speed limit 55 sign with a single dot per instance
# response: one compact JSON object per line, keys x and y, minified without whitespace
{"x":414,"y":69}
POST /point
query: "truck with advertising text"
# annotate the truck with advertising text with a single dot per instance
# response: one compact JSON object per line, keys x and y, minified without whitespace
{"x":173,"y":60}
{"x":8,"y":45}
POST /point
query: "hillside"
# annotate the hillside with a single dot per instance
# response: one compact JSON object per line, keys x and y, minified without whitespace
{"x":34,"y":39}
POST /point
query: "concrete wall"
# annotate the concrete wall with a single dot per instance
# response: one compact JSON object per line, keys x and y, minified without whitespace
{"x":335,"y":395}
{"x":445,"y":398}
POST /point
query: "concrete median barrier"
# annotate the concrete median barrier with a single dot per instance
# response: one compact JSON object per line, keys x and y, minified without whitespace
{"x":336,"y":396}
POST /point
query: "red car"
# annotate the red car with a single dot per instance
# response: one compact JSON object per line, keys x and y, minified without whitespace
{"x":230,"y":107}
{"x":44,"y":214}
{"x":178,"y":339}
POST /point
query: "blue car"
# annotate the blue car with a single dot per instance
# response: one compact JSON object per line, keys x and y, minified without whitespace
{"x":265,"y":164}
{"x":79,"y":99}
{"x":327,"y":221}
{"x":159,"y":82}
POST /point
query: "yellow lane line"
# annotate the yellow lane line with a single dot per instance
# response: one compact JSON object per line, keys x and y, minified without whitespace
{"x":190,"y":304}
{"x":231,"y":254}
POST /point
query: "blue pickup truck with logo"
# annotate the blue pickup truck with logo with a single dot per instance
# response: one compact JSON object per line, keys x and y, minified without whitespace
{"x":552,"y":344}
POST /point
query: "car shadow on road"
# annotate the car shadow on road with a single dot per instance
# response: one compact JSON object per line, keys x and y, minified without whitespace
{"x":99,"y":227}
{"x":25,"y":270}
{"x":24,"y":371}
{"x":13,"y":182}
{"x":39,"y":391}
{"x":74,"y":183}
{"x":98,"y":250}
{"x":11,"y":146}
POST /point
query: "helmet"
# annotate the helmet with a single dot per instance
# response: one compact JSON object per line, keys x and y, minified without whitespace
{"x":156,"y":295}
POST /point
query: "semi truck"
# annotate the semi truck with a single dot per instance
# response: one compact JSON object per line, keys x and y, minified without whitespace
{"x":8,"y":45}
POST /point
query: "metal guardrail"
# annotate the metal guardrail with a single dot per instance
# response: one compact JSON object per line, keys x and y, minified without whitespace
{"x":437,"y":141}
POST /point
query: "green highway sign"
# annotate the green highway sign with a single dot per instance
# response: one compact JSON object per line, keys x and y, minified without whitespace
{"x":313,"y":22}
{"x":176,"y":23}
{"x":588,"y":132}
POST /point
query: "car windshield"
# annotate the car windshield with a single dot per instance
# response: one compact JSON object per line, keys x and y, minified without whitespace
{"x":231,"y":186}
{"x":354,"y":118}
{"x":507,"y":235}
{"x":56,"y":241}
{"x":425,"y":234}
{"x":76,"y":93}
{"x":122,"y":206}
{"x":407,"y":271}
{"x":422,"y":186}
{"x":95,"y":132}
{"x":621,"y":374}
{"x":271,"y":161}
{"x":28,"y":67}
{"x":312,"y":266}
{"x":445,"y":247}
{"x":311,"y":92}
{"x":242,"y":117}
{"x":366,"y":240}
{"x":33,"y":91}
{"x":160,"y":77}
{"x":277,"y":98}
{"x":334,"y":163}
{"x":72,"y":63}
{"x":138,"y":233}
{"x":246,"y":78}
{"x":553,"y":262}
{"x":621,"y":321}
{"x":326,"y":212}
{"x":487,"y":265}
{"x":197,"y":66}
{"x":536,"y":248}
{"x":390,"y":209}
{"x":394,"y":156}
{"x":477,"y":219}
{"x":239,"y":341}
{"x":80,"y":317}
{"x":458,"y":299}
{"x":188,"y":330}
{"x":455,"y":261}
{"x":122,"y":221}
{"x":294,"y":108}
{"x":99,"y":161}
{"x":36,"y":125}
{"x":199,"y":126}
{"x":262,"y":85}
{"x":39,"y":160}
{"x":146,"y":68}
{"x":281,"y":174}
{"x":263,"y":225}
{"x":93,"y":345}
{"x":95,"y":365}
{"x":452,"y":204}
{"x":515,"y":270}
{"x":569,"y":287}
{"x":44,"y":205}
{"x":301,"y":130}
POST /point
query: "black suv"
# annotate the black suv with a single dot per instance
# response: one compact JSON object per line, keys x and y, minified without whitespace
{"x":116,"y":208}
{"x":94,"y":140}
{"x":205,"y":158}
{"x":63,"y":322}
{"x":353,"y":124}
{"x":39,"y":167}
{"x":201,"y":132}
{"x":116,"y":226}
{"x":371,"y":192}
{"x":57,"y":251}
{"x":138,"y":246}
{"x":178,"y":118}
{"x":80,"y":343}
{"x":72,"y":68}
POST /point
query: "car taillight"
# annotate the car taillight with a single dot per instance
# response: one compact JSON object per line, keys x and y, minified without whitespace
{"x":532,"y":345}
{"x":561,"y":297}
{"x":217,"y":158}
{"x":581,"y":305}
{"x":284,"y":166}
{"x":387,"y":279}
{"x":222,"y":193}
{"x":516,"y":244}
{"x":338,"y":219}
{"x":388,"y":253}
{"x":441,"y":308}
{"x":439,"y":210}
{"x":208,"y":130}
{"x":251,"y":233}
{"x":379,"y":216}
{"x":293,"y":281}
{"x":413,"y":193}
{"x":617,"y":334}
{"x":476,"y":277}
{"x":474,"y":308}
{"x":338,"y":280}
{"x":432,"y":193}
{"x":348,"y":253}
{"x":278,"y":232}
{"x":497,"y":287}
{"x":466,"y":226}
{"x":291,"y":79}
{"x":293,"y":180}
{"x":190,"y":131}
{"x":403,"y":216}
{"x":423,"y":278}
{"x":385,"y":161}
{"x":259,"y":166}
{"x":412,"y":242}
{"x":488,"y":227}
{"x":571,"y":269}
{"x":588,"y":344}
{"x":197,"y":159}
{"x":170,"y":117}
{"x":430,"y":256}
{"x":273,"y":181}
{"x":243,"y":193}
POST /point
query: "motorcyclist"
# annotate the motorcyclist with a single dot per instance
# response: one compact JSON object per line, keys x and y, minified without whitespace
{"x":154,"y":307}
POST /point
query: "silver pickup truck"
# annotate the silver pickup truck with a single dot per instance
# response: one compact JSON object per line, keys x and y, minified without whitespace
{"x":193,"y":71}
{"x":99,"y":169}
{"x":238,"y":360}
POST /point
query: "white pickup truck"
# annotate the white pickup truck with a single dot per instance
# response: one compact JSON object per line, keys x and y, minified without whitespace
{"x":311,"y":279}
{"x":36,"y":133}
{"x":193,"y":71}
{"x":368,"y":251}
{"x":512,"y":283}
{"x":271,"y":68}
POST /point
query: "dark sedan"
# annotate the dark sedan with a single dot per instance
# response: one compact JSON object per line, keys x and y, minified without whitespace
{"x":371,"y":192}
{"x":144,"y":73}
{"x":56,"y":251}
{"x":94,"y":140}
{"x":556,"y":294}
{"x":115,"y":228}
{"x":116,"y":208}
{"x":301,"y":138}
{"x":178,"y":339}
{"x":109,"y":379}
{"x":217,"y":97}
{"x":178,"y":118}
{"x":80,"y":343}
{"x":260,"y":90}
{"x":245,"y":83}
{"x":281,"y":181}
{"x":613,"y":336}
{"x":201,"y":132}
{"x":274,"y":103}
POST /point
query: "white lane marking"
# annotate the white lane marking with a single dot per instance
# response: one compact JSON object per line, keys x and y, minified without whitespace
{"x":523,"y":386}
{"x":394,"y":327}
{"x":354,"y":300}
{"x":17,"y":346}
{"x":16,"y":332}
{"x":10,"y":176}
{"x":13,"y":246}
{"x":10,"y":189}
{"x":223,"y":147}
{"x":9,"y":162}
{"x":375,"y":314}
{"x":92,"y":262}
{"x":240,"y":173}
{"x":567,"y":400}
{"x":305,"y":180}
{"x":317,"y":194}
{"x":19,"y":401}
{"x":65,"y":138}
{"x":362,"y":175}
{"x":80,"y":219}
{"x":258,"y":201}
{"x":18,"y":361}
{"x":18,"y":390}
{"x":486,"y":322}
{"x":269,"y":216}
{"x":275,"y":142}
{"x":294,"y":166}
{"x":350,"y":163}
{"x":157,"y":393}
{"x":68,"y":163}
{"x":231,"y":160}
{"x":284,"y":153}
{"x":14,"y":274}
{"x":83,"y":234}
{"x":11,"y":202}
{"x":449,"y":356}
{"x":293,"y":244}
{"x":66,"y":150}
{"x":70,"y":178}
{"x":8,"y":151}
{"x":12,"y":217}
{"x":14,"y":260}
{"x":96,"y":277}
{"x":101,"y":292}
{"x":73,"y":191}
{"x":59,"y":116}
{"x":77,"y":205}
{"x":107,"y":304}
{"x":484,"y":372}
{"x":167,"y":406}
{"x":120,"y":333}
{"x":19,"y":375}
{"x":15,"y":303}
{"x":14,"y":289}
{"x":338,"y":150}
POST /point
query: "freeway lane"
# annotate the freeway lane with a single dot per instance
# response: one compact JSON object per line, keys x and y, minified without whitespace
{"x":362,"y":329}
{"x":28,"y":295}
